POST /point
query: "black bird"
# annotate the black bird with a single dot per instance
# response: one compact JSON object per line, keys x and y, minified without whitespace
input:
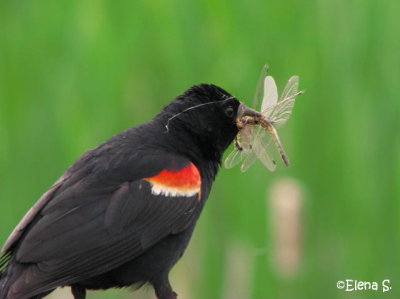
{"x":124,"y":212}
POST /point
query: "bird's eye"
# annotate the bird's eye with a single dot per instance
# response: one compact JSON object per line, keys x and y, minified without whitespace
{"x":229,"y":112}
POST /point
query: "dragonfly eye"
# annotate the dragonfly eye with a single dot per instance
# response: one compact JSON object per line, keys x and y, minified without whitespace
{"x":229,"y":112}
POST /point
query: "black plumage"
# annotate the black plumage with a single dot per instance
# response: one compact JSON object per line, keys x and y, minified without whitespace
{"x":103,"y":225}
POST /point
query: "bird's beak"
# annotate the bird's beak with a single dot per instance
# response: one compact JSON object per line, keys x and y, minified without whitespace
{"x":247,"y":115}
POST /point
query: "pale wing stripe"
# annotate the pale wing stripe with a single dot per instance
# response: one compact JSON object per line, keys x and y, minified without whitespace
{"x":270,"y":93}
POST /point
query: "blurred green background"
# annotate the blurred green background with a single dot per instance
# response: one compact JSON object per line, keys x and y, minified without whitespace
{"x":72,"y":73}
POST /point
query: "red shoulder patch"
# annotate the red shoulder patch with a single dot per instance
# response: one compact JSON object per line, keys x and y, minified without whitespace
{"x":183,"y":182}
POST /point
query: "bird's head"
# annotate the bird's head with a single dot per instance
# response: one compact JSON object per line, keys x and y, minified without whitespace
{"x":204,"y":117}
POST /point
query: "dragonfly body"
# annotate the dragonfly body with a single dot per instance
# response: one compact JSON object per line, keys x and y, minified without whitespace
{"x":258,"y":129}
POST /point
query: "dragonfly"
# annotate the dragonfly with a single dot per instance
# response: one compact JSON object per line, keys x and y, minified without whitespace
{"x":258,"y":133}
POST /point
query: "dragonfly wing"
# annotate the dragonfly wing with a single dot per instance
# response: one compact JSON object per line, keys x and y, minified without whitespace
{"x":270,"y":93}
{"x":291,"y":88}
{"x":260,"y":146}
{"x":244,"y":142}
{"x":248,"y":134}
{"x":234,"y":158}
{"x":260,"y":85}
{"x":248,"y":161}
{"x":281,"y":111}
{"x":263,"y":149}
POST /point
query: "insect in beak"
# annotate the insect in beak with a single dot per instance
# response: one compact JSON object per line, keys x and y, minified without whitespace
{"x":257,"y":130}
{"x":247,"y":116}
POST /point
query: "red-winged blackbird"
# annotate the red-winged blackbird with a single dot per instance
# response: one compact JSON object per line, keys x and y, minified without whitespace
{"x":124,"y":212}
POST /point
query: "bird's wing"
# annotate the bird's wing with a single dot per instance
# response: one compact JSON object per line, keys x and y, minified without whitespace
{"x":29,"y":216}
{"x":87,"y":228}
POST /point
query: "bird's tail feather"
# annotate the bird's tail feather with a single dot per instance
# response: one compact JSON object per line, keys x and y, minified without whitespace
{"x":4,"y":286}
{"x":16,"y":281}
{"x":9,"y":273}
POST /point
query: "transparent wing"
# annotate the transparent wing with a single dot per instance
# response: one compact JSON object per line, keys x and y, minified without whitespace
{"x":291,"y":88}
{"x":244,"y":140}
{"x":270,"y":93}
{"x":263,"y":148}
{"x":248,"y":161}
{"x":234,"y":158}
{"x":251,"y":156}
{"x":260,"y":85}
{"x":281,"y":111}
{"x":260,"y":148}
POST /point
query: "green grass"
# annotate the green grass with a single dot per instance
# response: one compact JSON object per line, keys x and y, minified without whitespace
{"x":72,"y":73}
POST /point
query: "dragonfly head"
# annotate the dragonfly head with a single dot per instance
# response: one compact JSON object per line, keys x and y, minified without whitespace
{"x":247,"y":116}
